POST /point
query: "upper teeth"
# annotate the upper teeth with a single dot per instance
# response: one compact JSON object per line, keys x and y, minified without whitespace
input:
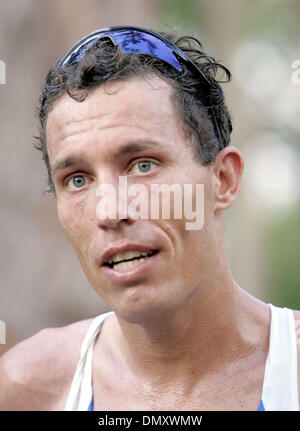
{"x":127,"y":255}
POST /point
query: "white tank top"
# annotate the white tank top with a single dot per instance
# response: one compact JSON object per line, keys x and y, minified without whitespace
{"x":280,"y":386}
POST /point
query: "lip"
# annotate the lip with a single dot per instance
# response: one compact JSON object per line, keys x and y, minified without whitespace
{"x":108,"y":254}
{"x":131,"y":275}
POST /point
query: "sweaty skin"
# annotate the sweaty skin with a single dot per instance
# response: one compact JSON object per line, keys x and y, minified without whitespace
{"x":185,"y":335}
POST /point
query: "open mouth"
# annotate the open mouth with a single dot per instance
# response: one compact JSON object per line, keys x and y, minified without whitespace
{"x":128,"y":259}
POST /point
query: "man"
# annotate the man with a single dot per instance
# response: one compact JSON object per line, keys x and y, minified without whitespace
{"x":128,"y":103}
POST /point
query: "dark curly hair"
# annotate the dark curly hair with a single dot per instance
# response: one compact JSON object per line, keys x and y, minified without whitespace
{"x":104,"y":62}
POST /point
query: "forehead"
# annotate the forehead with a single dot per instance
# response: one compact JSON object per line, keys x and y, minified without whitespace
{"x":141,"y":104}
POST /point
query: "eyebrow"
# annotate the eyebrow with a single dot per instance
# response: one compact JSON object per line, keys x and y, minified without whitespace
{"x":65,"y":163}
{"x":131,"y":147}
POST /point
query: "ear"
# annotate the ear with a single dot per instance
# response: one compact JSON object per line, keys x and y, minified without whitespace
{"x":227,"y":173}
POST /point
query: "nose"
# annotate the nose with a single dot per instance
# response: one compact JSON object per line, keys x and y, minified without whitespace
{"x":111,"y":208}
{"x":110,"y":223}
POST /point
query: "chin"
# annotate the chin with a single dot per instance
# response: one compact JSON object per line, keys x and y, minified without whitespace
{"x":138,"y":309}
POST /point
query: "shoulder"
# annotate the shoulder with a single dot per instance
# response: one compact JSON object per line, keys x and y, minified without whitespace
{"x":37,"y":373}
{"x":297,"y":327}
{"x":297,"y":316}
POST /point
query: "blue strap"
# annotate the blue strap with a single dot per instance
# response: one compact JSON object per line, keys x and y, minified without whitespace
{"x":261,"y":407}
{"x":90,"y":407}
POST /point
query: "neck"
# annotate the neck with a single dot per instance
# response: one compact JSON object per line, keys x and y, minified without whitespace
{"x":197,"y":338}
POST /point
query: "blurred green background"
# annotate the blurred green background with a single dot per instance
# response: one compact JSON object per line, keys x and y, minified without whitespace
{"x":41,"y":282}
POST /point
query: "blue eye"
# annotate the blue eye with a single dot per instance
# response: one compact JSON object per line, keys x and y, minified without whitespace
{"x":76,"y":182}
{"x":144,"y":166}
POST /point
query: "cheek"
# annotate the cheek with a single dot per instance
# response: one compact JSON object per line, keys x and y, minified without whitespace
{"x":78,"y":229}
{"x":74,"y":220}
{"x":193,"y":246}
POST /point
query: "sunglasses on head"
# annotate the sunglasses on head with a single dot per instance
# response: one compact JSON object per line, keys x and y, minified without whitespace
{"x":143,"y":41}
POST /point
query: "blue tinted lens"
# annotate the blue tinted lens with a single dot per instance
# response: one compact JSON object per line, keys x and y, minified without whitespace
{"x":136,"y":41}
{"x":130,"y":41}
{"x":79,"y":52}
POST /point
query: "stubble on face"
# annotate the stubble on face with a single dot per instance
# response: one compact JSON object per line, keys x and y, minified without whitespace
{"x":92,"y":132}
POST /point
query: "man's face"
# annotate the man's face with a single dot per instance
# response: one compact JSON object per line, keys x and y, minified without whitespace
{"x":86,"y":146}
